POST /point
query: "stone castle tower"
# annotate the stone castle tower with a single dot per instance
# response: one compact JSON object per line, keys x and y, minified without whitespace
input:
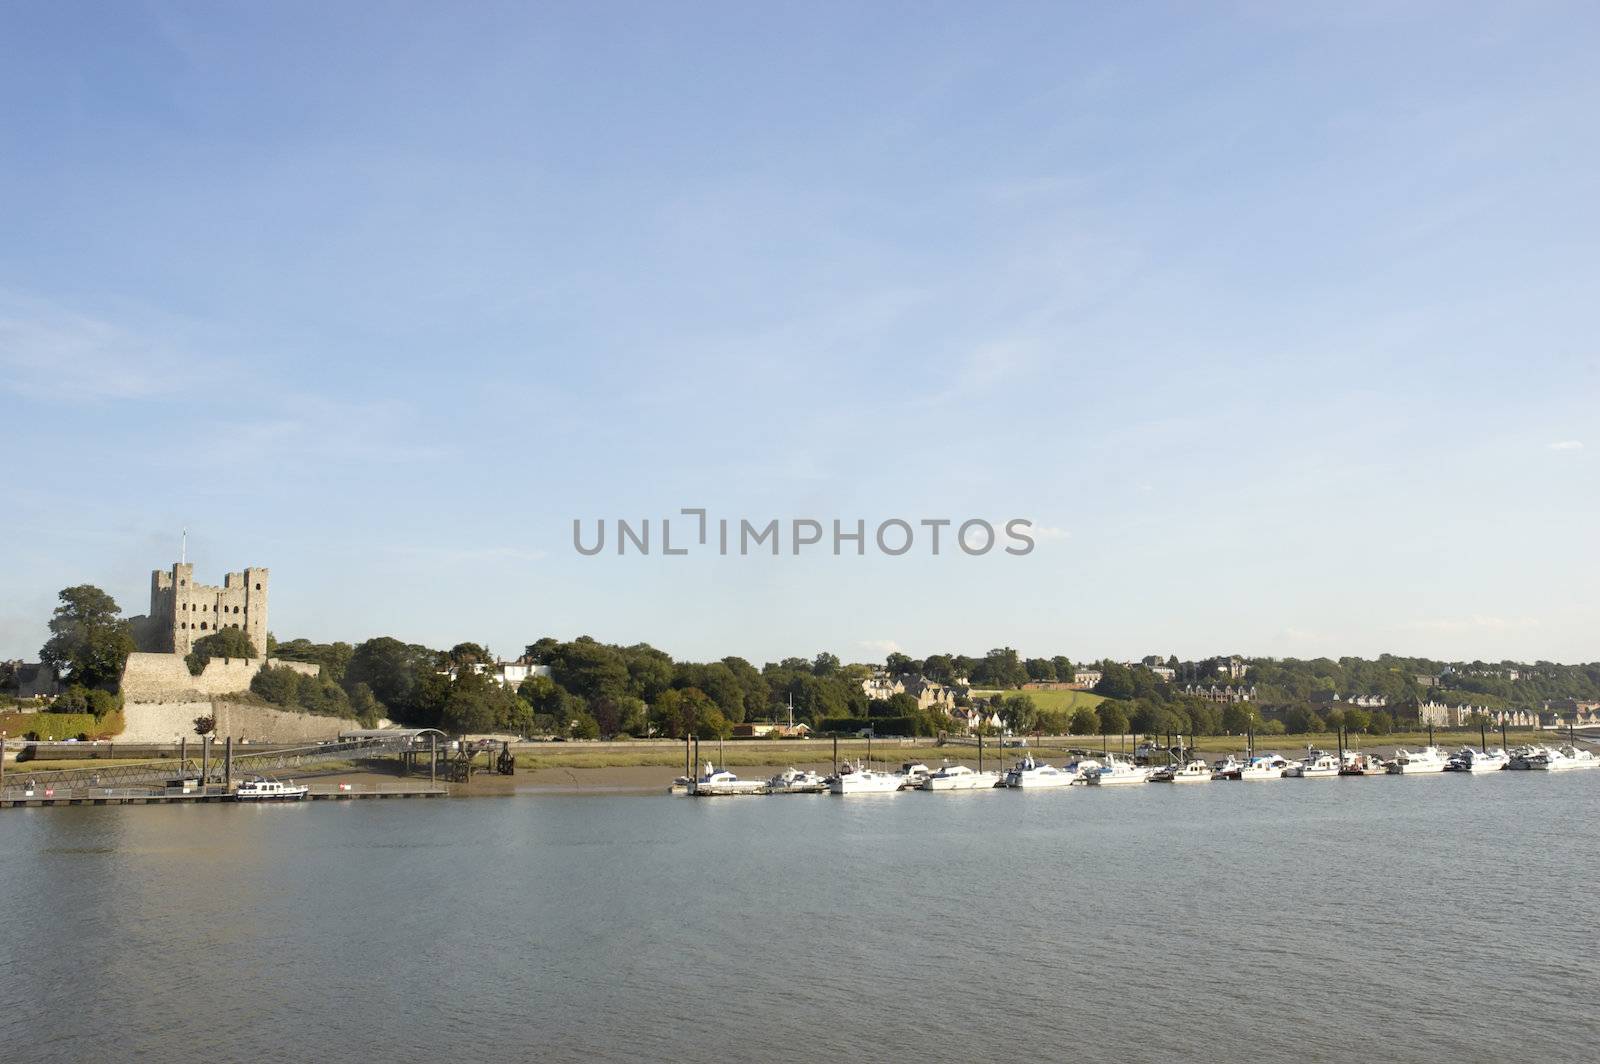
{"x":182,"y":611}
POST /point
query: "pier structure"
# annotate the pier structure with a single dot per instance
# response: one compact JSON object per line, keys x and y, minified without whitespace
{"x":211,"y":777}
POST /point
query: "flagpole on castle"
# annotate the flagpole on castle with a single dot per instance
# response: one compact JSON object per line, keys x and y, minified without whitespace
{"x":183,"y":556}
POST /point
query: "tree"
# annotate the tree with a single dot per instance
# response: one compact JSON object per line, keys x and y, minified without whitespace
{"x":898,"y":664}
{"x":1240,"y":717}
{"x":1357,"y":719}
{"x":468,"y":654}
{"x":583,"y":726}
{"x":898,"y":704}
{"x":279,"y":685}
{"x":1085,"y":721}
{"x":367,"y":709}
{"x":825,"y":664}
{"x":1302,"y":720}
{"x":1040,"y":669}
{"x":1116,"y":681}
{"x":89,"y":640}
{"x":1020,"y":713}
{"x":1382,"y":723}
{"x":223,"y":643}
{"x":1113,"y":718}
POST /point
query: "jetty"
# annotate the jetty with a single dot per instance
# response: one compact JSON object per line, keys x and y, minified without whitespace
{"x":210,"y":777}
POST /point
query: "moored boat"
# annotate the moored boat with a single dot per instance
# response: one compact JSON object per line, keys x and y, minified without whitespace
{"x":1196,"y":771}
{"x":1468,"y":759}
{"x":960,"y":778}
{"x":796,"y":781}
{"x":1227,"y":769}
{"x":1356,"y":763}
{"x":261,"y":789}
{"x":1412,"y":763}
{"x":1316,"y":765}
{"x":1117,"y":772}
{"x":715,"y":782}
{"x":1265,"y":767}
{"x":1037,"y":775}
{"x":858,"y":779}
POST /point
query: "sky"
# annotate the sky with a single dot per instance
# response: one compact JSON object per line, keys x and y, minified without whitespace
{"x":1277,"y":321}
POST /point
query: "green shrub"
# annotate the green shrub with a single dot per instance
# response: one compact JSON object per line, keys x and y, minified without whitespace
{"x":227,"y":643}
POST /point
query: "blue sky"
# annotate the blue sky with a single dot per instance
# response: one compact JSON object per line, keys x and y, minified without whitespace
{"x":1279,"y":320}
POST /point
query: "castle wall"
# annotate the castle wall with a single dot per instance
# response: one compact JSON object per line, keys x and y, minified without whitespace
{"x":165,"y":722}
{"x":166,"y":677}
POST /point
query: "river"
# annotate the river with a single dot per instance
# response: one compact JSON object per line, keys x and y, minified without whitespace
{"x":1393,"y":918}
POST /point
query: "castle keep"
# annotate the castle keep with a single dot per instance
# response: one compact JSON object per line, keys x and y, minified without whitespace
{"x":182,"y":611}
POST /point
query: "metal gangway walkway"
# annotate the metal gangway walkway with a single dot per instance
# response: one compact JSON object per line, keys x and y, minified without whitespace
{"x":222,"y":763}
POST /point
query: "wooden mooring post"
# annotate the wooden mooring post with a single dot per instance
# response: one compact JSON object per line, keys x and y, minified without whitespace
{"x":227,"y":764}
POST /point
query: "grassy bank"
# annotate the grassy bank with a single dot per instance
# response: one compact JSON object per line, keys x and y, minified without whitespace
{"x":61,"y":725}
{"x":1068,"y":700}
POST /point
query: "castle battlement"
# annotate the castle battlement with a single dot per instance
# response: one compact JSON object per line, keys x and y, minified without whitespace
{"x":182,"y":611}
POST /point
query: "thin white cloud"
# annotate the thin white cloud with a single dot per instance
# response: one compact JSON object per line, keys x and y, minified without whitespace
{"x":882,"y":646}
{"x":52,"y":352}
{"x":468,"y":555}
{"x":1567,"y":445}
{"x":1477,"y":622}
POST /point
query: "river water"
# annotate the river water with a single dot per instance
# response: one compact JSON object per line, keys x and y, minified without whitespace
{"x":1406,"y":919}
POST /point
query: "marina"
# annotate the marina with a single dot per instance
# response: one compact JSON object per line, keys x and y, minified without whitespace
{"x":1036,"y":773}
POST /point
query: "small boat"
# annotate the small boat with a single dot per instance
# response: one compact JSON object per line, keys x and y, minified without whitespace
{"x":913,"y":773}
{"x":1356,"y":763}
{"x":1316,"y":765}
{"x":1468,"y":759}
{"x":858,"y":779}
{"x":1563,"y":758}
{"x":715,"y":782}
{"x":1080,"y":769}
{"x":797,"y":781}
{"x":1228,"y":768}
{"x":261,"y":789}
{"x":1265,"y":767}
{"x":1407,"y":763}
{"x":1116,"y":772}
{"x":1037,"y":775}
{"x":1196,"y":771}
{"x":960,"y":778}
{"x":1523,"y":757}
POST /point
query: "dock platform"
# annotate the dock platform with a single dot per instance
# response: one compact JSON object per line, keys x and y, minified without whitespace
{"x":19,"y":798}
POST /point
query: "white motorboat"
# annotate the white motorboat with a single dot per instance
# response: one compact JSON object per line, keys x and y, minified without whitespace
{"x":858,"y":779}
{"x":796,"y":781}
{"x":1196,"y":771}
{"x":1526,"y":757}
{"x":715,"y":782}
{"x":1468,"y":759}
{"x":960,"y":778}
{"x":1358,"y":764}
{"x":1117,"y":772}
{"x":1408,"y":763}
{"x":1265,"y":767}
{"x":1029,"y":773}
{"x":912,"y":773}
{"x":1316,"y":765}
{"x":1079,"y":770}
{"x":1229,"y":768}
{"x":261,"y":789}
{"x":1563,"y":758}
